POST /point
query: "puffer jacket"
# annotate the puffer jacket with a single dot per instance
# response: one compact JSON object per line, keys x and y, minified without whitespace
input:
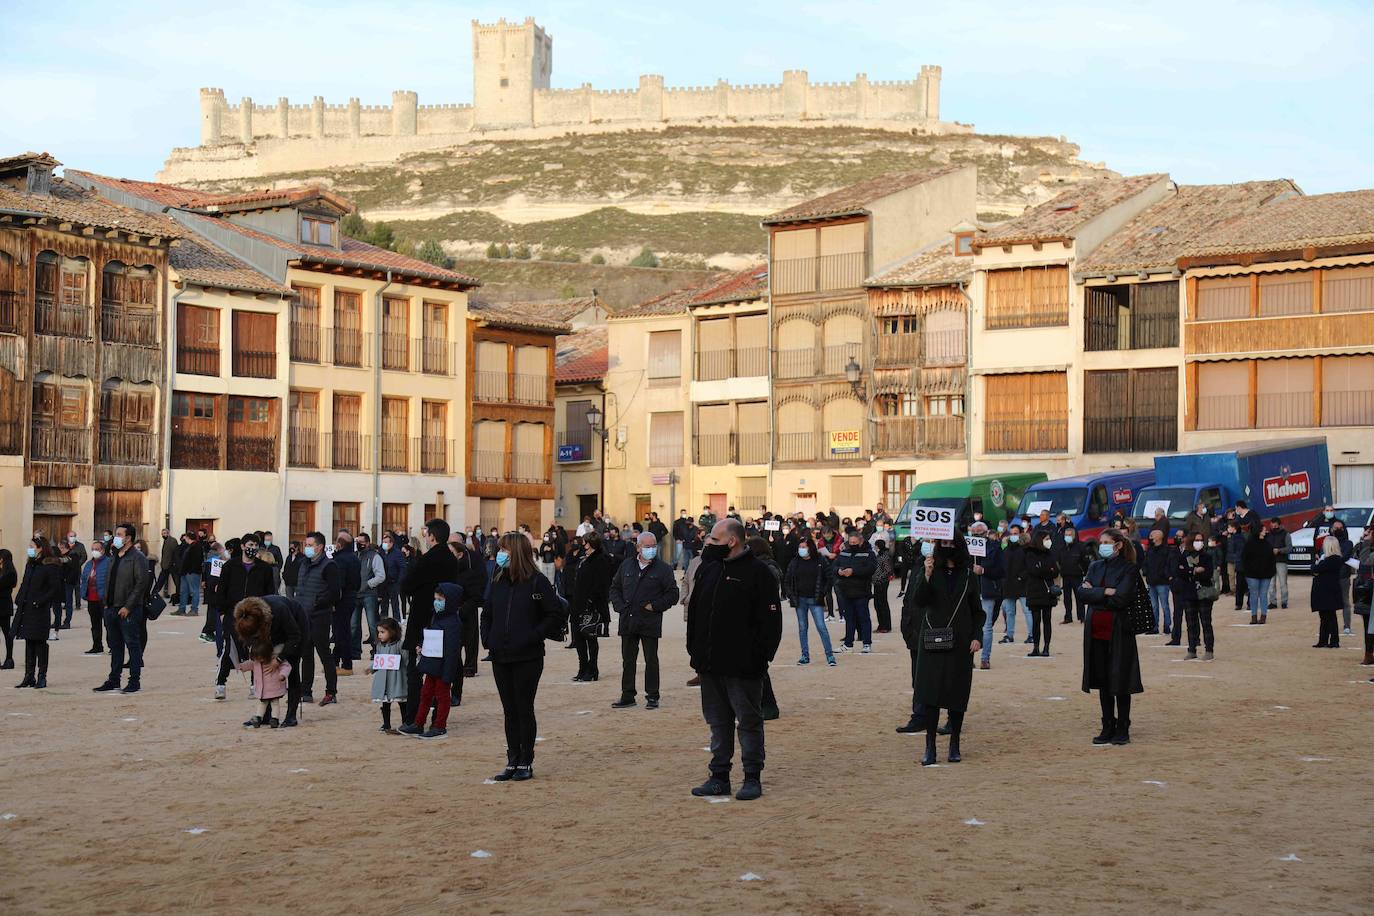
{"x":449,"y":621}
{"x":40,"y":590}
{"x":513,"y":616}
{"x":862,"y":563}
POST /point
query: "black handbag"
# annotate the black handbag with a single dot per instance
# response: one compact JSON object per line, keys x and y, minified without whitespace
{"x":1140,"y":615}
{"x":937,"y":639}
{"x":153,"y":607}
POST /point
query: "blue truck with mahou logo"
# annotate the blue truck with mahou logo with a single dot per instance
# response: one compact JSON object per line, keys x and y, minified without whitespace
{"x":1281,"y":478}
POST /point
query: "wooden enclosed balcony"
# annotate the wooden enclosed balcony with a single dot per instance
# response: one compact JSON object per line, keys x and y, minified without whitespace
{"x":1288,"y":332}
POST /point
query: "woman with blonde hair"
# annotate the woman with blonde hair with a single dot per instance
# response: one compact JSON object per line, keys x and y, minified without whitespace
{"x":1111,"y":663}
{"x":1326,"y":592}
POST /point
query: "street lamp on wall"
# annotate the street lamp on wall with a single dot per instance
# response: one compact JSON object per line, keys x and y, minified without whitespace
{"x":853,"y":373}
{"x":594,"y":418}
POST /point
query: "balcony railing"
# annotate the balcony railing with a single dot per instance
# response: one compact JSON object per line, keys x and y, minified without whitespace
{"x":119,"y":446}
{"x":492,"y":387}
{"x":1026,"y":435}
{"x":944,"y":348}
{"x":9,"y":311}
{"x":251,"y":453}
{"x":255,"y":363}
{"x":714,"y":448}
{"x":198,"y":451}
{"x":899,"y":436}
{"x":798,"y":362}
{"x":531,"y":389}
{"x":11,"y":437}
{"x":436,"y":355}
{"x":59,"y":320}
{"x":395,"y":453}
{"x":434,"y":455}
{"x":827,"y":272}
{"x":47,"y":443}
{"x":1130,"y":434}
{"x":395,"y":352}
{"x":796,"y":447}
{"x":530,"y":467}
{"x":1283,"y":410}
{"x":898,"y":349}
{"x":488,"y":465}
{"x":1348,"y":408}
{"x":128,"y":324}
{"x":347,"y":347}
{"x":714,"y":365}
{"x":1224,"y":411}
{"x":752,"y":448}
{"x":305,"y":342}
{"x":303,"y":448}
{"x":837,"y":356}
{"x":348,"y":450}
{"x":197,"y":360}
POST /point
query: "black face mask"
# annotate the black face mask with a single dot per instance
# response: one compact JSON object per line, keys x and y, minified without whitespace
{"x":945,"y":552}
{"x":712,"y":553}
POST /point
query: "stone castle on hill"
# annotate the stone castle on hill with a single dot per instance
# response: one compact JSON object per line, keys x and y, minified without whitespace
{"x":511,"y":66}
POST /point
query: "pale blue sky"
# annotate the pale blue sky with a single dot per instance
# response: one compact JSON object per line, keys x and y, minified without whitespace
{"x":1207,"y":91}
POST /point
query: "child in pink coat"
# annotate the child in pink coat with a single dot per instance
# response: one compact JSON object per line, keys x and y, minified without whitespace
{"x":269,"y":683}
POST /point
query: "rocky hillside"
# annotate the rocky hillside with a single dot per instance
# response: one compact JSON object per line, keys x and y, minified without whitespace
{"x":692,"y":195}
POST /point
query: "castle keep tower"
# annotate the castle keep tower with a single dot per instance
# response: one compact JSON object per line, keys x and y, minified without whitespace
{"x":509,"y":62}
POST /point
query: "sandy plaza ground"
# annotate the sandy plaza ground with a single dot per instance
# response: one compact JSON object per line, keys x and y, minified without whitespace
{"x":1246,"y":789}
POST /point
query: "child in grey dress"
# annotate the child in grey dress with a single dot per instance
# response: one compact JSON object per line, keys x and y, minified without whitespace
{"x":388,"y":684}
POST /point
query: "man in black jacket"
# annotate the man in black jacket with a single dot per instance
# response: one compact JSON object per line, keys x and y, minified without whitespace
{"x":428,"y":570}
{"x":350,"y":581}
{"x":188,"y":576}
{"x":1072,"y":557}
{"x":853,"y":576}
{"x":682,"y":534}
{"x":471,"y":576}
{"x":1158,"y":567}
{"x":317,"y":591}
{"x":641,"y":590}
{"x":126,"y":591}
{"x":734,"y":626}
{"x":1014,"y":582}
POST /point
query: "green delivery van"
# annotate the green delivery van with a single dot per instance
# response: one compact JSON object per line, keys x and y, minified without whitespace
{"x":996,"y":496}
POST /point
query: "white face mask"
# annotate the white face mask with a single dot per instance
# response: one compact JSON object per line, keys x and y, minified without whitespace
{"x":1197,"y":545}
{"x":1047,"y":543}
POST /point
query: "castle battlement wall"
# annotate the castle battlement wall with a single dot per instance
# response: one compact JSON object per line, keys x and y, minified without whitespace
{"x":511,"y":67}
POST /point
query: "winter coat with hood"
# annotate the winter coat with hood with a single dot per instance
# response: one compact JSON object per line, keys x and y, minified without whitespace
{"x":40,"y":590}
{"x":449,"y":620}
{"x":1040,"y":573}
{"x":861,"y":562}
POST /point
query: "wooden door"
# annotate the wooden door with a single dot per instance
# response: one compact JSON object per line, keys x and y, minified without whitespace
{"x":194,"y":525}
{"x":52,"y":527}
{"x":346,"y":516}
{"x":254,"y":344}
{"x":115,"y":507}
{"x":642,"y":507}
{"x":527,"y":513}
{"x":719,"y":503}
{"x":396,"y":517}
{"x":348,"y":329}
{"x":302,"y":519}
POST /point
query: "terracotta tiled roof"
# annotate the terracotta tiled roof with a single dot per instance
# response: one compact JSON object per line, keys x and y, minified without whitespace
{"x":553,"y":309}
{"x":29,"y":158}
{"x":167,"y":195}
{"x":201,"y":263}
{"x":1189,"y":215}
{"x":856,"y":197}
{"x":741,"y":286}
{"x":71,"y":203}
{"x":512,"y":315}
{"x":673,"y":303}
{"x":582,"y":356}
{"x":1062,"y":216}
{"x":1317,"y":221}
{"x":268,"y":197}
{"x":933,"y":266}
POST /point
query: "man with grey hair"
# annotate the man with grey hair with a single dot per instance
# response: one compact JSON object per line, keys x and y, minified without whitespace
{"x":641,"y":590}
{"x":734,"y":626}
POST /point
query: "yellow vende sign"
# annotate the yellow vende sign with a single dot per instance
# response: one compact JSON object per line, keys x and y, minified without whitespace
{"x":844,"y":441}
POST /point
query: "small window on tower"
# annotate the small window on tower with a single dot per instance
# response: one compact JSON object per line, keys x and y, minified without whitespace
{"x":504,"y":82}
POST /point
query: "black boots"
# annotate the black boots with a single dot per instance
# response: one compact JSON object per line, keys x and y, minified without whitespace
{"x":1122,"y":735}
{"x":1108,"y":730}
{"x":929,"y":758}
{"x":954,"y":755}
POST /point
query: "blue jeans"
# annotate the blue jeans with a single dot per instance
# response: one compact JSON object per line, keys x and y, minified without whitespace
{"x":121,"y":633}
{"x":363,"y":604}
{"x":69,"y":593}
{"x":1159,"y":604}
{"x":1009,"y":616}
{"x":989,"y":609}
{"x":811,"y":607}
{"x":1258,"y":590}
{"x":189,"y":593}
{"x":684,"y":555}
{"x":856,"y":619}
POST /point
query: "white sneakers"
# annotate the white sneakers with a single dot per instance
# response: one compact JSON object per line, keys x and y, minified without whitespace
{"x":219,"y":691}
{"x":867,"y":649}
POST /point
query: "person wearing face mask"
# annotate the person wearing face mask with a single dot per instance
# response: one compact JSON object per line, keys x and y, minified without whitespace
{"x":1326,"y":589}
{"x":40,"y":589}
{"x":942,"y":618}
{"x":734,"y":627}
{"x":1158,"y":566}
{"x":882,"y":577}
{"x":394,"y":562}
{"x":1280,"y":542}
{"x":1347,"y":551}
{"x":248,"y":574}
{"x":989,"y":594}
{"x":852,"y":572}
{"x":317,"y":591}
{"x":1072,"y":556}
{"x":642,"y":589}
{"x":1041,"y":572}
{"x":371,"y":577}
{"x":1111,"y":661}
{"x":71,"y":591}
{"x":471,"y":575}
{"x":1197,"y":524}
{"x":1362,"y":591}
{"x":126,"y":589}
{"x":588,"y":609}
{"x":682,"y":530}
{"x":350,"y":581}
{"x":291,"y":568}
{"x":804,"y":584}
{"x":1191,"y":580}
{"x":189,"y":568}
{"x":430,"y":569}
{"x":1014,"y":582}
{"x":547,"y":551}
{"x":269,"y":547}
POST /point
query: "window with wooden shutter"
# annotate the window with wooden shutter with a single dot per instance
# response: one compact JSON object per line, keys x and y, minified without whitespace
{"x":255,"y":344}
{"x":1220,"y":298}
{"x":1026,"y":412}
{"x":435,"y":356}
{"x":305,"y":325}
{"x":751,"y":425}
{"x":751,"y":346}
{"x":197,"y":340}
{"x":434,"y":437}
{"x":348,"y":329}
{"x":715,"y":349}
{"x":302,"y":519}
{"x":752,"y":493}
{"x":395,"y":432}
{"x":489,"y":450}
{"x":665,"y":358}
{"x":1283,"y":393}
{"x":491,"y":372}
{"x":847,"y":491}
{"x":1348,"y":391}
{"x":1223,"y":395}
{"x":1130,"y":410}
{"x":796,"y":432}
{"x":794,"y":261}
{"x":252,"y":434}
{"x":347,"y":440}
{"x":303,"y":431}
{"x":195,"y":430}
{"x":395,"y":333}
{"x":576,"y":430}
{"x":1027,"y":297}
{"x":346,"y":517}
{"x":529,"y":463}
{"x":532,"y":375}
{"x":395,"y":519}
{"x":665,"y":439}
{"x":715,"y":436}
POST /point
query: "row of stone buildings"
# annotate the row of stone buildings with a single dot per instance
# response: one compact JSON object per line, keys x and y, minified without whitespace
{"x":171,"y":357}
{"x":891,"y":340}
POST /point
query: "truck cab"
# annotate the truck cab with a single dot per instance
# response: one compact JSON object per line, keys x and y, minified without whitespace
{"x":1177,"y":501}
{"x":1089,"y":500}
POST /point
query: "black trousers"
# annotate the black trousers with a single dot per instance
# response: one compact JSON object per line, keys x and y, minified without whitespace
{"x":1199,"y":617}
{"x":96,"y":612}
{"x":412,"y":703}
{"x":1070,"y":585}
{"x":517,"y":683}
{"x":1042,"y":623}
{"x":733,"y":705}
{"x":588,"y":653}
{"x":6,"y":627}
{"x":629,"y":655}
{"x":342,"y":621}
{"x":472,"y":645}
{"x":880,"y":605}
{"x":35,"y":655}
{"x":1122,"y":713}
{"x":319,"y":642}
{"x":1328,"y":634}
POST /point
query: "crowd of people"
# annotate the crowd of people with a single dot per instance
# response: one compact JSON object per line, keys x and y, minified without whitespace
{"x":426,"y":608}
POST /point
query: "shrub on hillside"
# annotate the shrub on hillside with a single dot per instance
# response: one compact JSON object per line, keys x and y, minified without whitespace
{"x":645,"y":258}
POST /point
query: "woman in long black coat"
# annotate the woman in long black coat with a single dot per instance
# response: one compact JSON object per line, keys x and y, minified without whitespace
{"x":1111,"y":664}
{"x":41,"y":589}
{"x":9,"y":577}
{"x":1327,"y":593}
{"x":589,"y":607}
{"x":944,"y":595}
{"x":1041,"y":571}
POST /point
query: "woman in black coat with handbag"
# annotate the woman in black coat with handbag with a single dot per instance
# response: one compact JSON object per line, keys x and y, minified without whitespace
{"x":1041,"y":571}
{"x":943,"y":618}
{"x":41,"y":589}
{"x":1111,"y":663}
{"x":1327,"y":599}
{"x":590,"y":606}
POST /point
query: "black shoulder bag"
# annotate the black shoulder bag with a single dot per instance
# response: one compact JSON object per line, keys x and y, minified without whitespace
{"x":941,"y":639}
